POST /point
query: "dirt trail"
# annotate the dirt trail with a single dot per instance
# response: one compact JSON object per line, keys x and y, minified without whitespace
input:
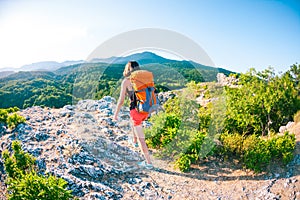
{"x":218,"y":179}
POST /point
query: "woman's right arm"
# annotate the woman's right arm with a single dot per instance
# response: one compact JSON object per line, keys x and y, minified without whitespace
{"x":121,"y":98}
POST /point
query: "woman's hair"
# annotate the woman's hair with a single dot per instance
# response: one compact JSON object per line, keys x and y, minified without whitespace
{"x":130,"y":67}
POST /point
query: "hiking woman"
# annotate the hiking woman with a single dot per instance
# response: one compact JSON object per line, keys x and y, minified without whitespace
{"x":136,"y":117}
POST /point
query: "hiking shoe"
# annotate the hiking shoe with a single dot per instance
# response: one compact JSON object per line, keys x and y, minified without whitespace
{"x":130,"y":141}
{"x":144,"y":164}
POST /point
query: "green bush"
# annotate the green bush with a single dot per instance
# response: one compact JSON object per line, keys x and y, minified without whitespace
{"x":164,"y":129}
{"x":10,"y":118}
{"x":196,"y":143}
{"x":232,"y":143}
{"x":19,"y":163}
{"x":23,"y":181}
{"x":271,"y":101}
{"x":192,"y":152}
{"x":14,"y":120}
{"x":12,"y":109}
{"x":33,"y":186}
{"x":3,"y":115}
{"x":256,"y":153}
{"x":282,"y":147}
{"x":183,"y":163}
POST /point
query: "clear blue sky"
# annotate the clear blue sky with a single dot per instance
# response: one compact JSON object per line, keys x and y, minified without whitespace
{"x":236,"y":34}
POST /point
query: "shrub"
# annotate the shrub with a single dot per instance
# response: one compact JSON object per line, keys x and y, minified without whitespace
{"x":14,"y":120}
{"x":192,"y":151}
{"x":11,"y":120}
{"x":183,"y":163}
{"x":34,"y":186}
{"x":196,"y":143}
{"x":19,"y":163}
{"x":271,"y":100}
{"x":12,"y":109}
{"x":232,"y":143}
{"x":256,"y":154}
{"x":23,"y":181}
{"x":164,"y":129}
{"x":282,"y":147}
{"x":3,"y":115}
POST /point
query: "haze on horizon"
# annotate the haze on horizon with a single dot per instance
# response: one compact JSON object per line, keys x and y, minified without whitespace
{"x":235,"y":34}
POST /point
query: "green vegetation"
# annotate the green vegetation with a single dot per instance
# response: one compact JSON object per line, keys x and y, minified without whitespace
{"x":257,"y":152}
{"x":69,"y":84}
{"x":262,"y":103}
{"x":10,"y":118}
{"x":24,"y":182}
{"x":244,"y":119}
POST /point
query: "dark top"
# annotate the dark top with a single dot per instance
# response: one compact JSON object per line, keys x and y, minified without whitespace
{"x":132,"y":98}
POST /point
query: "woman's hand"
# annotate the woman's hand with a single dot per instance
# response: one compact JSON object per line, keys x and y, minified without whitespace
{"x":115,"y":116}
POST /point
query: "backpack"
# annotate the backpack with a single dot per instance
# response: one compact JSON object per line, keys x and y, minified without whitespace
{"x":143,"y":85}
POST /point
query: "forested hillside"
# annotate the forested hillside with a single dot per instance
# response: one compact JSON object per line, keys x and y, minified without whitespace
{"x":92,"y":80}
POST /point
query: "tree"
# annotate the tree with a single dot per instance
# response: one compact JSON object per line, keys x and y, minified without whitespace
{"x":262,"y":102}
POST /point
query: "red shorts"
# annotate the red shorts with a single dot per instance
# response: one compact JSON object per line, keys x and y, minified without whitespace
{"x":137,"y":117}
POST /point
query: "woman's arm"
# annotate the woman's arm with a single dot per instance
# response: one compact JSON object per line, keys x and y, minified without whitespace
{"x":121,"y":98}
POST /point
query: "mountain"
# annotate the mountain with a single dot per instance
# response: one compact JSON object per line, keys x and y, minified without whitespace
{"x":58,"y":84}
{"x":42,"y":66}
{"x":5,"y":73}
{"x":27,"y":75}
{"x":142,"y":58}
{"x":45,"y":65}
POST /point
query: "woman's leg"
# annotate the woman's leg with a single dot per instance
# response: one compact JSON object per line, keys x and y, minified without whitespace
{"x":134,"y":136}
{"x":141,"y":139}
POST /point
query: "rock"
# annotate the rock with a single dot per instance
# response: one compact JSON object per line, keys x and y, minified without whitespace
{"x":282,"y":129}
{"x":36,"y":152}
{"x":2,"y":129}
{"x":109,"y":99}
{"x":60,"y":131}
{"x":223,"y":80}
{"x":93,"y":105}
{"x":106,"y":122}
{"x":68,"y":113}
{"x":165,"y":96}
{"x":87,"y":171}
{"x":84,"y":158}
{"x":98,"y":196}
{"x":40,"y":136}
{"x":2,"y":171}
{"x":69,"y":107}
{"x":290,"y":125}
{"x":41,"y":163}
{"x":109,"y":194}
{"x":84,"y":118}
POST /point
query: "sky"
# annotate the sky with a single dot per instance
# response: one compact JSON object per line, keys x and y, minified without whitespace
{"x":235,"y":34}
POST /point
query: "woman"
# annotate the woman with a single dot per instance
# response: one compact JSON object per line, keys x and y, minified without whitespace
{"x":136,"y":117}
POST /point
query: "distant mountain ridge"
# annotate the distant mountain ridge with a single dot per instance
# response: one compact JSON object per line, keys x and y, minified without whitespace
{"x":93,"y":80}
{"x":42,"y":66}
{"x":143,"y":58}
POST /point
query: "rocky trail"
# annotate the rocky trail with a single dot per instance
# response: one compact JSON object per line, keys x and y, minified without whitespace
{"x":83,"y":145}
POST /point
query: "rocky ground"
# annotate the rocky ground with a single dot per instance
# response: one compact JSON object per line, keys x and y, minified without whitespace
{"x":90,"y":151}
